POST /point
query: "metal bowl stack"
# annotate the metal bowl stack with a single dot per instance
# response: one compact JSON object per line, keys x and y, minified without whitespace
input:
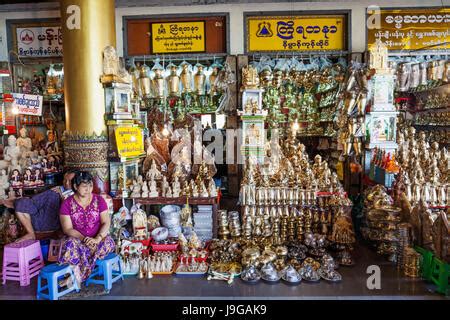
{"x":412,"y":263}
{"x":223,"y":232}
{"x":170,"y":218}
{"x":404,"y":242}
{"x":234,"y":224}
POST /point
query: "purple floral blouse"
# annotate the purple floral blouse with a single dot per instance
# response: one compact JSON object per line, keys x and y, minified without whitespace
{"x":85,"y":221}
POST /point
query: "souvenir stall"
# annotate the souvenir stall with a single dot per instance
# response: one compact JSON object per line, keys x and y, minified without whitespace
{"x":31,"y":155}
{"x":281,"y":230}
{"x":324,"y":143}
{"x":406,"y":216}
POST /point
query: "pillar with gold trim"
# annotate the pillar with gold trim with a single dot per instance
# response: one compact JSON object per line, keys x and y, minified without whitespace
{"x":88,"y":27}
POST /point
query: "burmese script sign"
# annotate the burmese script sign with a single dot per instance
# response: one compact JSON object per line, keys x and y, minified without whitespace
{"x":28,"y":104}
{"x":296,"y":33}
{"x":39,"y":42}
{"x":178,"y":37}
{"x":130,"y":142}
{"x":413,"y":29}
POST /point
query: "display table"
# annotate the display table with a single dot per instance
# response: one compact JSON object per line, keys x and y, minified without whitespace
{"x":213,"y":201}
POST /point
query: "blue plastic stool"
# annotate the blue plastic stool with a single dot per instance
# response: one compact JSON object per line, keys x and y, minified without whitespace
{"x":52,"y":273}
{"x":109,"y":269}
{"x":44,"y":247}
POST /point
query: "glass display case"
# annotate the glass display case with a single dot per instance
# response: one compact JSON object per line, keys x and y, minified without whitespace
{"x":381,"y":129}
{"x":118,"y":101}
{"x":122,"y":175}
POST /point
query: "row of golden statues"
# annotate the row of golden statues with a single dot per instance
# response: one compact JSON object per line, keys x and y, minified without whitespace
{"x":425,"y":169}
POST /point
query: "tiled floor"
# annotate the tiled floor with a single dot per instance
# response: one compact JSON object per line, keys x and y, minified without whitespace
{"x":353,"y":286}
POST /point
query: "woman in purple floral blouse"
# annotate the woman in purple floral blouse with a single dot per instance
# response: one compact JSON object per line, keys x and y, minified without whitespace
{"x":85,"y":221}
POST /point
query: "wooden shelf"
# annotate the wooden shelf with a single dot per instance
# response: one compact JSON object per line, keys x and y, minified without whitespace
{"x":437,"y":110}
{"x":178,"y":201}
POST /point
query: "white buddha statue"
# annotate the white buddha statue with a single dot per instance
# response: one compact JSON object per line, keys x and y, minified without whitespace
{"x":176,"y":188}
{"x":212,"y":188}
{"x":153,"y":190}
{"x":11,"y":151}
{"x":165,"y":185}
{"x":4,"y":184}
{"x":135,"y":190}
{"x":24,"y":142}
{"x":145,"y":192}
{"x":153,"y":173}
{"x":14,"y":166}
{"x":204,"y":192}
{"x":169,"y":192}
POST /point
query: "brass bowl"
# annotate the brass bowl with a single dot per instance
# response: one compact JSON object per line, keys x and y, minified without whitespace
{"x":281,"y":251}
{"x":251,"y":253}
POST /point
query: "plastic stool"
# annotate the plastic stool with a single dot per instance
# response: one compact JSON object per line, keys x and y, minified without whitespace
{"x":44,"y":248}
{"x":52,"y":273}
{"x":22,"y":261}
{"x":109,"y":268}
{"x":425,"y":263}
{"x":54,"y":249}
{"x":440,"y":275}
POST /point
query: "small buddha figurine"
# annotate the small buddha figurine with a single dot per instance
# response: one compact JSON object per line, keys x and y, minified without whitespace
{"x":164,"y":186}
{"x":195,"y":192}
{"x":145,"y":192}
{"x":169,"y":192}
{"x":416,"y":189}
{"x":24,"y":142}
{"x":153,"y":173}
{"x":317,"y":167}
{"x":204,"y":192}
{"x":4,"y":184}
{"x":11,"y":151}
{"x":212,"y":188}
{"x":153,"y":190}
{"x":110,"y":61}
{"x":135,"y":190}
{"x":140,"y":180}
{"x":176,"y":189}
{"x":186,"y":190}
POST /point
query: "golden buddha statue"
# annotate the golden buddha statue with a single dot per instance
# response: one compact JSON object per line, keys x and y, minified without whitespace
{"x":199,"y":81}
{"x":158,"y":83}
{"x":250,"y":78}
{"x":173,"y":81}
{"x":186,"y":78}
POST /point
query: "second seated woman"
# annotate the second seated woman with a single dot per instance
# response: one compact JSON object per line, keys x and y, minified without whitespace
{"x":85,"y":221}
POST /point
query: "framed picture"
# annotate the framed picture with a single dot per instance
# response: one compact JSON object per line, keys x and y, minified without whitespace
{"x":252,"y":102}
{"x":118,"y":101}
{"x":143,"y":117}
{"x":253,"y":133}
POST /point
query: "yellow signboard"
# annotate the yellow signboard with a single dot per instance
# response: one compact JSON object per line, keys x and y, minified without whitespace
{"x":130,"y":142}
{"x":178,"y":37}
{"x":296,"y":33}
{"x":412,"y":29}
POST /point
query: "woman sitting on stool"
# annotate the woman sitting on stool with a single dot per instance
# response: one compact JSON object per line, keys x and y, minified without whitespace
{"x":85,"y":220}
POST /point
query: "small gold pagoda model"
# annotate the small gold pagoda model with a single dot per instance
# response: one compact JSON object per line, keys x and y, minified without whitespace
{"x":378,"y":57}
{"x":250,"y":78}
